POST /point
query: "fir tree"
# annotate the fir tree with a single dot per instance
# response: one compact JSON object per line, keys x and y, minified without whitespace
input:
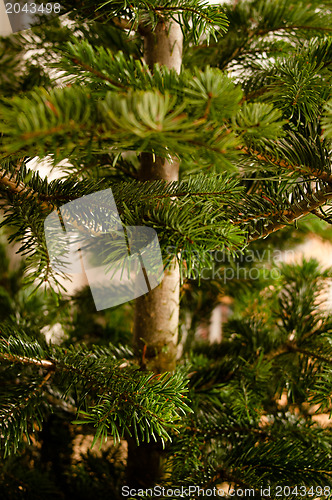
{"x":212,"y":125}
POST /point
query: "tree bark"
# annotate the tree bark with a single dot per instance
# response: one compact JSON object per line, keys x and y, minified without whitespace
{"x":163,"y":45}
{"x":157,"y":313}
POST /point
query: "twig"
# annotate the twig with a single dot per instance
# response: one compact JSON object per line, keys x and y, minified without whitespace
{"x":288,"y":347}
{"x":301,"y":209}
{"x":18,"y":187}
{"x":324,"y":176}
{"x":44,"y":363}
{"x":94,"y":71}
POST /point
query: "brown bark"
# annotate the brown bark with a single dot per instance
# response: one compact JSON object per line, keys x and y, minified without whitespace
{"x":157,"y":313}
{"x":163,"y":45}
{"x":156,"y":323}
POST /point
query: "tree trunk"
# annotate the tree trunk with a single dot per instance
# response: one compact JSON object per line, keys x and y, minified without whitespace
{"x":163,"y":45}
{"x":157,"y":313}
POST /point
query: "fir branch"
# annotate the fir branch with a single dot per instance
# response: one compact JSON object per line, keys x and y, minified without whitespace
{"x":310,"y":354}
{"x":185,"y":193}
{"x":301,"y":209}
{"x":324,"y":176}
{"x":262,"y":215}
{"x":38,"y":388}
{"x":20,"y":414}
{"x":288,"y":347}
{"x":18,"y":187}
{"x":97,"y":73}
{"x":180,"y":8}
{"x":321,"y":216}
{"x":60,"y":365}
{"x":62,"y":128}
{"x":44,"y":363}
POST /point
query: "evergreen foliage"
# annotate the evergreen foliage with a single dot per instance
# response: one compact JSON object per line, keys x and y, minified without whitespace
{"x":249,"y":118}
